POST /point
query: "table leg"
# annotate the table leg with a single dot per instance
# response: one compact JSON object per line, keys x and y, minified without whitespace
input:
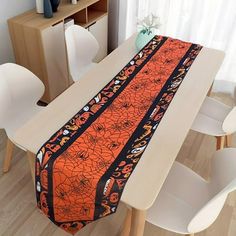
{"x":127,"y":223}
{"x":31,"y":160}
{"x":137,"y":222}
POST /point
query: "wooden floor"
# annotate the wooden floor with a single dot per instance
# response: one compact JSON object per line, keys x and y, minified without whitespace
{"x":19,"y":216}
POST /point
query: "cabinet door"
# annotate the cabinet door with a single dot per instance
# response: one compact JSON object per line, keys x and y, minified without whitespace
{"x":53,"y":41}
{"x":100,"y":32}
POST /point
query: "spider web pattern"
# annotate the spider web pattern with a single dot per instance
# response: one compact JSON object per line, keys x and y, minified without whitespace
{"x":71,"y":188}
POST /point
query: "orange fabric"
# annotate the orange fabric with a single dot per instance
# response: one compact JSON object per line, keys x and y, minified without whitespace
{"x":78,"y":170}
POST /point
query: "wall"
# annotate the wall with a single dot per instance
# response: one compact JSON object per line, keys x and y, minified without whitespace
{"x":8,"y":9}
{"x":122,"y":21}
{"x":127,"y":19}
{"x":113,"y":24}
{"x":117,"y":22}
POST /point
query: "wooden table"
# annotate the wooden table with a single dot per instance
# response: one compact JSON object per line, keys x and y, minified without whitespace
{"x":152,"y":170}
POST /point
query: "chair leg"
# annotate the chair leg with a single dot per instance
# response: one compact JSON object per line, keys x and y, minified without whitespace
{"x":127,"y":223}
{"x":209,"y":94}
{"x":137,"y":222}
{"x":31,"y":160}
{"x":228,"y":141}
{"x":8,"y":156}
{"x":220,"y":142}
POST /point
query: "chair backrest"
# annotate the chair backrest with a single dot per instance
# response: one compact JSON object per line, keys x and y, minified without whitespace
{"x":229,"y":124}
{"x":20,"y":90}
{"x":223,"y":182}
{"x":82,"y":47}
{"x":208,"y":107}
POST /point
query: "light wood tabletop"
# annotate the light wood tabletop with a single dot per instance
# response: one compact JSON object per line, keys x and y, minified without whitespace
{"x":152,"y":170}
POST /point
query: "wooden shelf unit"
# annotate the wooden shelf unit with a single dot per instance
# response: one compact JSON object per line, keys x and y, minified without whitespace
{"x":91,"y":14}
{"x":39,"y":43}
{"x":96,"y":10}
{"x":81,"y":17}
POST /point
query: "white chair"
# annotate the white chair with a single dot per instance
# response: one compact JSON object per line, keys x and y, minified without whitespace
{"x":216,"y":119}
{"x":188,"y":204}
{"x":20,"y":90}
{"x":82,"y":47}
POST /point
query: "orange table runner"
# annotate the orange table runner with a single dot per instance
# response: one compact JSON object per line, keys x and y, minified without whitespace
{"x":81,"y":171}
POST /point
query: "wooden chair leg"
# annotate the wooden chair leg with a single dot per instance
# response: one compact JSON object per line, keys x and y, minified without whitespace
{"x":228,"y":141}
{"x":8,"y":156}
{"x":210,"y":90}
{"x":220,"y":142}
{"x":31,"y":160}
{"x":127,"y":224}
{"x":137,"y":222}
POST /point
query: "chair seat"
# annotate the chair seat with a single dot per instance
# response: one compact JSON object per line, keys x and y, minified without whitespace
{"x":84,"y":71}
{"x":182,"y":194}
{"x":211,"y":117}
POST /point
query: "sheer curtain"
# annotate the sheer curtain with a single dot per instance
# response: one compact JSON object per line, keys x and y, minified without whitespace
{"x":211,"y":23}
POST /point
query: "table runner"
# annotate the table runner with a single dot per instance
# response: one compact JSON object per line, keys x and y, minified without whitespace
{"x":81,"y":171}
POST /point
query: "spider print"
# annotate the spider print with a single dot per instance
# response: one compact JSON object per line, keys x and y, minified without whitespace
{"x":83,"y":181}
{"x":102,"y":164}
{"x":80,"y":185}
